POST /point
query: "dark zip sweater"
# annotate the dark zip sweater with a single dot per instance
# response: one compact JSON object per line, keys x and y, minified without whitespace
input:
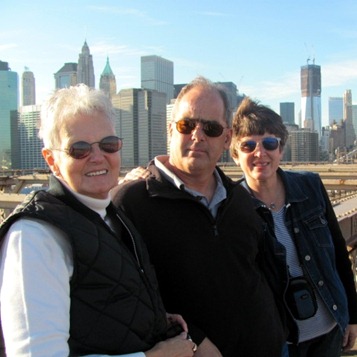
{"x":208,"y":268}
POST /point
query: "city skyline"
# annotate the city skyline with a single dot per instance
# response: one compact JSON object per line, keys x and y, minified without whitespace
{"x":258,"y":46}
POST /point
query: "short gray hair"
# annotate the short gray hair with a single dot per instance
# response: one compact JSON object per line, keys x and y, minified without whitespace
{"x":68,"y":103}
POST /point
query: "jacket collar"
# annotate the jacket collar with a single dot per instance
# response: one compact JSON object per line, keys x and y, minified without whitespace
{"x":157,"y":183}
{"x":293,"y":191}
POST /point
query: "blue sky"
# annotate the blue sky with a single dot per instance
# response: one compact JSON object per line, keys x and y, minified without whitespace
{"x":259,"y":45}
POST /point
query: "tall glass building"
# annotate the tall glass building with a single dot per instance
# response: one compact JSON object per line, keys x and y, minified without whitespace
{"x":9,"y":94}
{"x":304,"y":146}
{"x":335,"y":110}
{"x":287,"y":112}
{"x":142,"y":124}
{"x":26,"y":145}
{"x":157,"y":73}
{"x":310,"y":76}
{"x":28,"y":88}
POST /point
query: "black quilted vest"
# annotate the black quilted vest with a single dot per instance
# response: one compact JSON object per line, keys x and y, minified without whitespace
{"x":115,"y":304}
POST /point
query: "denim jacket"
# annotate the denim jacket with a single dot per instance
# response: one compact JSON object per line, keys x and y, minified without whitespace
{"x":312,"y":224}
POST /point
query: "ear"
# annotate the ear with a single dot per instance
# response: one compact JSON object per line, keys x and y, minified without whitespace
{"x":51,"y":161}
{"x":170,"y":129}
{"x":228,"y":138}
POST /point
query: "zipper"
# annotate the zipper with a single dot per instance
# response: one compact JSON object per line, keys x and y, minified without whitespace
{"x":133,"y":243}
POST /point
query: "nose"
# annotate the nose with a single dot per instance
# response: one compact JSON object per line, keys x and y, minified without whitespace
{"x":96,"y":152}
{"x":198,"y":133}
{"x":259,"y":150}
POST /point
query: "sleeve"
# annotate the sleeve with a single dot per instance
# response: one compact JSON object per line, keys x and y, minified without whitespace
{"x":343,"y":263}
{"x":36,"y":265}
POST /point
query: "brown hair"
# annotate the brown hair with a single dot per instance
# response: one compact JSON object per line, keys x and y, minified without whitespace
{"x":253,"y":118}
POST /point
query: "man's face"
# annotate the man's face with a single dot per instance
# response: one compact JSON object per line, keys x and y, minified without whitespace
{"x":197,"y":153}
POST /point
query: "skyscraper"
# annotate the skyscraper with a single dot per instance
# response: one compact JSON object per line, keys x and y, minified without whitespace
{"x":354,"y":118}
{"x":347,"y":118}
{"x":85,"y":69}
{"x":142,"y":124}
{"x":28,"y":88}
{"x":157,"y":73}
{"x":304,"y":146}
{"x":335,"y":110}
{"x":66,"y":76}
{"x":107,"y":81}
{"x":9,"y":93}
{"x":26,"y":145}
{"x":311,"y":97}
{"x":287,"y":112}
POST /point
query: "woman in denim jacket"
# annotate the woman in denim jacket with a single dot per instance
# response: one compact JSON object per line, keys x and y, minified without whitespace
{"x":307,"y":260}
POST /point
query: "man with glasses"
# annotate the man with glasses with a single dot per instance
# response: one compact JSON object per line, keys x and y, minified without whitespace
{"x":203,"y":235}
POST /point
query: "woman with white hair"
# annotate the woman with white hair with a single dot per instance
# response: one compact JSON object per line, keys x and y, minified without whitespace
{"x":75,"y":277}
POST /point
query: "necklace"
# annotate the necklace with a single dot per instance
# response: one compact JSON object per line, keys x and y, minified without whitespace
{"x":272,"y":205}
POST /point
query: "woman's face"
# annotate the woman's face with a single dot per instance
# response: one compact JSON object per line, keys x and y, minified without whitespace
{"x":98,"y":172}
{"x":260,"y":164}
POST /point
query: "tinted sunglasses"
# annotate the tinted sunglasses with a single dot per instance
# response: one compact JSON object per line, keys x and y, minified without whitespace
{"x":269,"y":144}
{"x":81,"y":149}
{"x":210,"y":128}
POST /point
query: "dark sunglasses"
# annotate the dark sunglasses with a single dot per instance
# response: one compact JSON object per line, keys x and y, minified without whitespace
{"x":81,"y":149}
{"x":269,"y":144}
{"x":210,"y":128}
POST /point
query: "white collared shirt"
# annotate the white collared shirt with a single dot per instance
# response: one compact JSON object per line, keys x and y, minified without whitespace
{"x":219,"y":195}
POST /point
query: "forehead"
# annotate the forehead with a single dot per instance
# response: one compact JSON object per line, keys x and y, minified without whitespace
{"x":201,"y":103}
{"x":87,"y":127}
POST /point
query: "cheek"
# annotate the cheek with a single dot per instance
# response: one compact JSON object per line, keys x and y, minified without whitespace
{"x":69,"y":169}
{"x":244,"y":160}
{"x":176,"y":141}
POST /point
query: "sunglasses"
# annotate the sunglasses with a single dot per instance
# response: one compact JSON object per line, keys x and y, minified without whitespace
{"x":269,"y":144}
{"x":81,"y":149}
{"x":210,"y":128}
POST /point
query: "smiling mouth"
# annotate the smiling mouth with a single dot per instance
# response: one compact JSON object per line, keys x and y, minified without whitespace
{"x":259,"y":164}
{"x":97,"y":173}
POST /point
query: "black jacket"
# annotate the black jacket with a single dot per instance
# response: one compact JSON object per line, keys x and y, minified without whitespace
{"x":115,"y":304}
{"x":208,"y":268}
